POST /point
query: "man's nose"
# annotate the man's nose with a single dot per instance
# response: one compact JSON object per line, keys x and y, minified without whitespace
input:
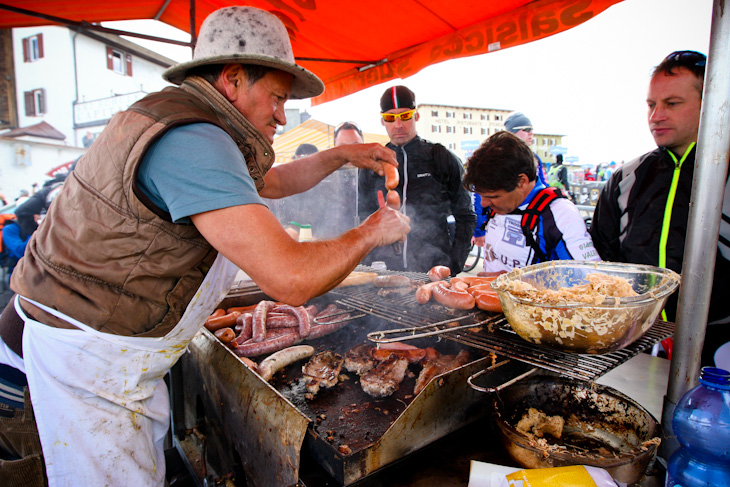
{"x":657,"y":113}
{"x":280,"y":115}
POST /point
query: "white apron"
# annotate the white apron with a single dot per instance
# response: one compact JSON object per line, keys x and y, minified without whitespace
{"x":100,"y":403}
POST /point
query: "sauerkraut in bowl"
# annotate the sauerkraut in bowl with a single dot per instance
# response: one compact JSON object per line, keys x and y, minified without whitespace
{"x":584,"y":306}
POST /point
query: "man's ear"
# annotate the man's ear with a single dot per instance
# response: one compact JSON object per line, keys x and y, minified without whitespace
{"x":418,"y":115}
{"x":231,"y":80}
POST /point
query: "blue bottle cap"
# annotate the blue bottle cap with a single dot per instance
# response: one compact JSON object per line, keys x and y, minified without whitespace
{"x":715,"y":377}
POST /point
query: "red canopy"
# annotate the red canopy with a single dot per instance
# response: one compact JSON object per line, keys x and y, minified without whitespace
{"x":349,"y":45}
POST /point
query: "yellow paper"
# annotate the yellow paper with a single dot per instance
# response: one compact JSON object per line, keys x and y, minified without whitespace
{"x":572,"y":476}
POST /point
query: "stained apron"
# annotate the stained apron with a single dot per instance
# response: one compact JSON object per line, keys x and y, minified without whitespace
{"x":100,"y":401}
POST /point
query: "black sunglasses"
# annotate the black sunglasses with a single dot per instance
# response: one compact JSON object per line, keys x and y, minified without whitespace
{"x":686,"y":59}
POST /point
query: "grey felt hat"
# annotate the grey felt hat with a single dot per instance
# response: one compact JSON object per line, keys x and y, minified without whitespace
{"x":247,"y":35}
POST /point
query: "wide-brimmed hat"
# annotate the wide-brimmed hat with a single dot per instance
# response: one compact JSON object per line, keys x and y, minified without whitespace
{"x":247,"y":35}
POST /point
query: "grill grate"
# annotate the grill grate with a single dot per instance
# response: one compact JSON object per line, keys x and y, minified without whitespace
{"x":498,"y":337}
{"x":504,"y":341}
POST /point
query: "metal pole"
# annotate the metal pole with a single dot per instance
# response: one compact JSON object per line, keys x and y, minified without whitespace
{"x":703,"y":227}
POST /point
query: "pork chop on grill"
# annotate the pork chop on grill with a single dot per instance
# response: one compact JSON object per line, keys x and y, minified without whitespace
{"x":384,"y":379}
{"x":322,"y":370}
{"x":438,"y":366}
{"x":359,"y":359}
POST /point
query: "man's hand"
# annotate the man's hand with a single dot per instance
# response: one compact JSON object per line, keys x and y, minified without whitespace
{"x":368,"y":156}
{"x":388,"y":225}
{"x":478,"y":241}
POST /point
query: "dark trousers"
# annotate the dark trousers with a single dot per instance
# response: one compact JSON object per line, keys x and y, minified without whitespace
{"x":21,"y":457}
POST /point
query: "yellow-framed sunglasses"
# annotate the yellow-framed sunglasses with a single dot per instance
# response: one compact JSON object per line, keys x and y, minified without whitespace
{"x":392,"y":117}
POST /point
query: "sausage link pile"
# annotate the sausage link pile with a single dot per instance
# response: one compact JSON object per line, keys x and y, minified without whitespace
{"x":270,"y":326}
{"x":460,"y":292}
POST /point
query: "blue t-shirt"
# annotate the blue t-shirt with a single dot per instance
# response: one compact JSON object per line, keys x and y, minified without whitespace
{"x":196,"y":168}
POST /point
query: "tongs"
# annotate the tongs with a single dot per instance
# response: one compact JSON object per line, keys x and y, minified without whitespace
{"x":339,"y":312}
{"x":411,"y":332}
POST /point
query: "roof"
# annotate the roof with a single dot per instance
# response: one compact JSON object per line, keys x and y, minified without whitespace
{"x":312,"y":132}
{"x":43,"y":129}
{"x":128,"y":46}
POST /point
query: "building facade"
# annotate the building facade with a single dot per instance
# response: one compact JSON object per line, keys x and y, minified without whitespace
{"x":463,"y":129}
{"x":73,"y":80}
{"x":76,"y":80}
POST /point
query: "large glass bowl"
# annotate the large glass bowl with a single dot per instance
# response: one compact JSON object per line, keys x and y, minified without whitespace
{"x":584,"y":327}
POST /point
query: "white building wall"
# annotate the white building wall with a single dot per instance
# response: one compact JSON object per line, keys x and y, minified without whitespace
{"x":24,"y":162}
{"x":463,"y":129}
{"x":74,"y":62}
{"x":70,"y":61}
{"x":96,"y":81}
{"x":53,"y":72}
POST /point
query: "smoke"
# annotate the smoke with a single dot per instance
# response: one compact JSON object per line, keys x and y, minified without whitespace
{"x":330,"y":207}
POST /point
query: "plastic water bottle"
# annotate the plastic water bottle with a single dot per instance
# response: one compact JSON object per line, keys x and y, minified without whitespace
{"x":702,"y":424}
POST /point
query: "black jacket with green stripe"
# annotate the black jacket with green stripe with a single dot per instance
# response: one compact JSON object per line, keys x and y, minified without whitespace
{"x":627,"y":222}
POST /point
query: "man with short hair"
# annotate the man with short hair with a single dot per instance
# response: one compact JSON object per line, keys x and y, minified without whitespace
{"x":304,"y":150}
{"x":348,"y":133}
{"x":146,"y":238}
{"x":641,"y":215}
{"x":502,"y":172}
{"x":430,"y":190}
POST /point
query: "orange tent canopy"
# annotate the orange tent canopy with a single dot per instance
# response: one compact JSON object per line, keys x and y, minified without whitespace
{"x":349,"y":45}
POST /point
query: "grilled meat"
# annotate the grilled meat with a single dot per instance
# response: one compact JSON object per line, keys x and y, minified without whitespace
{"x":384,"y":379}
{"x":359,"y":359}
{"x":438,"y":366}
{"x":322,"y":370}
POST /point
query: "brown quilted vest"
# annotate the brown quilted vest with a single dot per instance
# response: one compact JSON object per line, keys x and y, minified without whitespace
{"x":102,"y":256}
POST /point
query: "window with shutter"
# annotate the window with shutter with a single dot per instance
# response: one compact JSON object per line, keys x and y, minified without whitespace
{"x":118,"y":61}
{"x":29,"y":104}
{"x":33,"y":48}
{"x":35,"y":102}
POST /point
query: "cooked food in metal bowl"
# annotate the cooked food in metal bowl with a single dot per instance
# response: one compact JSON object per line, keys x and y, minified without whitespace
{"x":552,"y":421}
{"x":584,"y":307}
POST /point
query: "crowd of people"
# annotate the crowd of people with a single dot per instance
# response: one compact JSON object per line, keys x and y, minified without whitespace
{"x":129,"y":262}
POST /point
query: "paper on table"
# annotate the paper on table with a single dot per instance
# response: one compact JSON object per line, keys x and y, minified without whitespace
{"x":488,"y":474}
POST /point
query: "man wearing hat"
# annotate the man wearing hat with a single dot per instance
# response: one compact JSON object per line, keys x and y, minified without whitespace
{"x":518,"y":124}
{"x":145,"y":240}
{"x":430,"y":190}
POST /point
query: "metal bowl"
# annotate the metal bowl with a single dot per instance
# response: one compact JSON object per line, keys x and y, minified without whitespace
{"x":607,"y":429}
{"x":582,"y":327}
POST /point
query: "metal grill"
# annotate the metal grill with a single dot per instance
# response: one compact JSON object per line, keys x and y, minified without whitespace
{"x":494,"y":334}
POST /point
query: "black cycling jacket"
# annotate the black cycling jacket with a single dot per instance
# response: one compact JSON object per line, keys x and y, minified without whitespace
{"x":627,"y":222}
{"x":431,"y":190}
